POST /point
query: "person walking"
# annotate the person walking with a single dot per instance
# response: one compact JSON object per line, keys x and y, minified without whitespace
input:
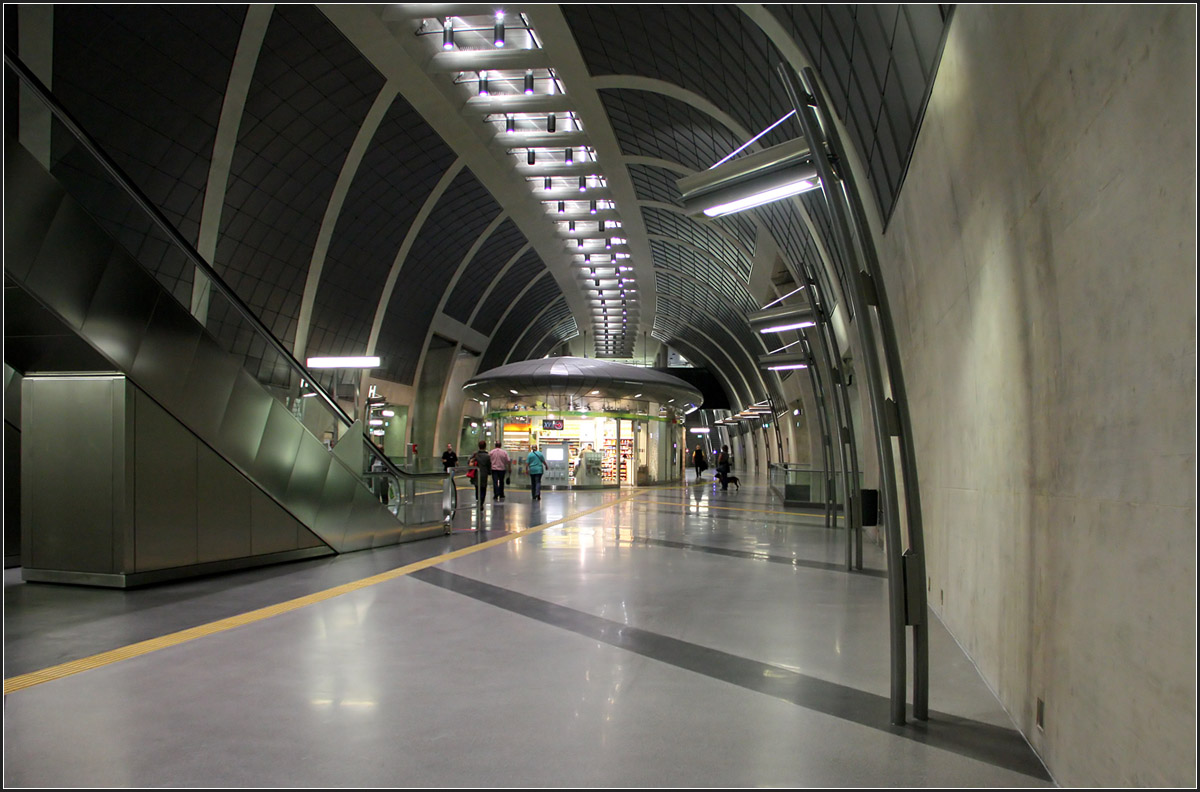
{"x":449,"y":458}
{"x":500,"y":465}
{"x":536,"y":463}
{"x":700,"y":461}
{"x":723,"y":466}
{"x":483,"y":471}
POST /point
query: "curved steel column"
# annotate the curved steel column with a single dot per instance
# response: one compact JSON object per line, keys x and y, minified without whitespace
{"x":903,"y":430}
{"x":897,"y":589}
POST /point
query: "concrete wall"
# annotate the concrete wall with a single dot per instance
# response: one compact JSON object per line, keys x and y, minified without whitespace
{"x":1041,"y":266}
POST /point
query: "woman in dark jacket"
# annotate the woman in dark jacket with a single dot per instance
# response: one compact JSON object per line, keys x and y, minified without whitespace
{"x":700,"y":461}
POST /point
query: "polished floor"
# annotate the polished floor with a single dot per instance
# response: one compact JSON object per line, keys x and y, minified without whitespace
{"x":660,"y":637}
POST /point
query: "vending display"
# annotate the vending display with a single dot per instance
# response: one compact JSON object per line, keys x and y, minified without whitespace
{"x":626,"y":475}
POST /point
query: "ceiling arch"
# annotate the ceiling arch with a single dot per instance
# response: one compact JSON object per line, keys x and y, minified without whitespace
{"x":320,"y":152}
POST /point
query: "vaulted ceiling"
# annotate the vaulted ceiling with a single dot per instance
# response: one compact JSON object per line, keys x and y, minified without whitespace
{"x":369,"y":176}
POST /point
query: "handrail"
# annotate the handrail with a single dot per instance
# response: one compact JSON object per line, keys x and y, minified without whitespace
{"x":144,"y":203}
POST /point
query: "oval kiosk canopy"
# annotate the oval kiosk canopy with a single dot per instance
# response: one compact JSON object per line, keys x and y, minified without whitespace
{"x":564,"y":379}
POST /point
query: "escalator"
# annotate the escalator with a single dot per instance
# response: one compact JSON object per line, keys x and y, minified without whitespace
{"x":155,"y":446}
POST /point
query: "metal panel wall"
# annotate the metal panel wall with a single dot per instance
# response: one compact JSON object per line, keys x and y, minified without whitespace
{"x":222,"y":508}
{"x":165,"y":474}
{"x":118,"y":308}
{"x":72,"y":512}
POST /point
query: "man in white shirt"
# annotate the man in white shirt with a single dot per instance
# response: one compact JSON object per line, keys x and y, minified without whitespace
{"x":500,"y":466}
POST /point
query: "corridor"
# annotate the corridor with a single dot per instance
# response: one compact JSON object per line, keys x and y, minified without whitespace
{"x":654,"y":637}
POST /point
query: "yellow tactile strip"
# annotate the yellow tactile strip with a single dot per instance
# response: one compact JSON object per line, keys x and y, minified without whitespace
{"x":62,"y":670}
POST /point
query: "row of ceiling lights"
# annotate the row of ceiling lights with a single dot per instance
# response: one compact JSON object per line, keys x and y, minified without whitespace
{"x":548,"y":141}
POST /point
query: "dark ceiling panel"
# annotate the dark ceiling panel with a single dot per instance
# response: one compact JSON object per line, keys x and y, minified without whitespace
{"x":666,"y":223}
{"x":655,"y":184}
{"x":491,"y":257}
{"x":523,"y":271}
{"x":401,"y":167}
{"x":285,"y":166}
{"x":542,"y":293}
{"x":892,"y":49}
{"x":652,"y":125}
{"x":668,"y":255}
{"x":148,"y":89}
{"x":714,"y":51}
{"x":462,"y":214}
{"x":535,"y":336}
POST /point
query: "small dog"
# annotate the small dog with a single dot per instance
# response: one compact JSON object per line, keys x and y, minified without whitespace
{"x":732,"y":480}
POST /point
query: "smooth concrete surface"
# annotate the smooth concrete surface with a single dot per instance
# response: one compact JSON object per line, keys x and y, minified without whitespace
{"x":1041,"y":267}
{"x":660,"y":637}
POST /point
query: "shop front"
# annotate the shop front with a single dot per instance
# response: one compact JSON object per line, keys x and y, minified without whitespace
{"x":597,"y":424}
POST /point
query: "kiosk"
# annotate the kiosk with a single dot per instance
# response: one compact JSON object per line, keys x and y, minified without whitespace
{"x":599,"y":424}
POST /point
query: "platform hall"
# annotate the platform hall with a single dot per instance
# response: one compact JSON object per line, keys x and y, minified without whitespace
{"x":599,"y":395}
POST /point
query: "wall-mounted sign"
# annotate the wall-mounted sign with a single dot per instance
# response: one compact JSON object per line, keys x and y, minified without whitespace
{"x":552,"y":424}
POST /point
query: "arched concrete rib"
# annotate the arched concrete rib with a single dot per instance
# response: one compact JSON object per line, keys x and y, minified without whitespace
{"x":696,"y":353}
{"x":753,"y":360}
{"x":629,"y":82}
{"x":508,"y":310}
{"x":499,"y":277}
{"x":528,"y":325}
{"x":241,"y":74}
{"x":770,"y":383}
{"x":398,"y":54}
{"x":418,"y":222}
{"x":657,"y":162}
{"x":546,"y":334}
{"x":337,"y":199}
{"x":458,"y":271}
{"x":770,"y":25}
{"x":737,"y":309}
{"x":733,"y":241}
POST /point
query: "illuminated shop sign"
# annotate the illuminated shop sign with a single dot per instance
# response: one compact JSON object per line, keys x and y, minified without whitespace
{"x":555,"y":424}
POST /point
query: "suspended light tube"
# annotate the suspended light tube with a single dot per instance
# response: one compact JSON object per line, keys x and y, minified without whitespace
{"x":363,"y":362}
{"x":785,"y":327}
{"x":498,"y":30}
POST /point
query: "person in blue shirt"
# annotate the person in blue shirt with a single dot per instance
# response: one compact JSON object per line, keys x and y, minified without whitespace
{"x":537,"y":466}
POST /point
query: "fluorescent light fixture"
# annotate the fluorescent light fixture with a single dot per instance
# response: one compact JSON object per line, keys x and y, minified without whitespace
{"x":784,"y":327}
{"x":764,"y":197}
{"x":375,"y":422}
{"x":699,"y":430}
{"x":343,"y":362}
{"x":388,"y":413}
{"x":787,"y":366}
{"x":513,"y":392}
{"x":769,"y":175}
